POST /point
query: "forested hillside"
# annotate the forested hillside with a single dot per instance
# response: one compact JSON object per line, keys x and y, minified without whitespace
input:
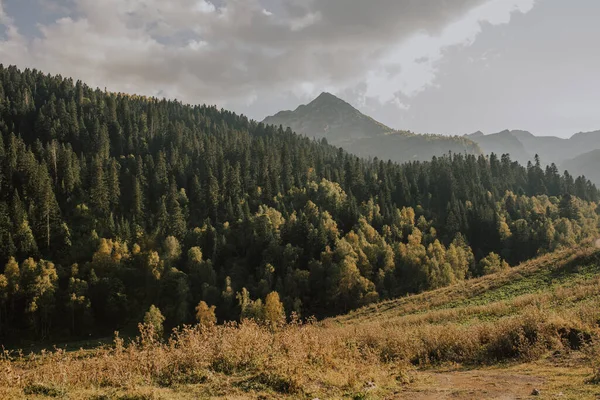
{"x":111,"y":203}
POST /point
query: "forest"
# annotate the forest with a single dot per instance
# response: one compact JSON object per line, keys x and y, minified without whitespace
{"x":114,"y":204}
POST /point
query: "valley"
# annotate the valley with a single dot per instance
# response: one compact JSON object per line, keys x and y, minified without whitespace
{"x":194,"y":253}
{"x":282,"y":199}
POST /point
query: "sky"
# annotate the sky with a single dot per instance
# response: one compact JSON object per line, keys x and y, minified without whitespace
{"x":429,"y":66}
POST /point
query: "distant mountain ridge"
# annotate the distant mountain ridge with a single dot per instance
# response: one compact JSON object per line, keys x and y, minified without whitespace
{"x":587,"y":164}
{"x":342,"y":125}
{"x":579,"y":154}
{"x":501,"y":143}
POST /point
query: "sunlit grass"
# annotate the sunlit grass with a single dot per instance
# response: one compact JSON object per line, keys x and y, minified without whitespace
{"x":549,"y":304}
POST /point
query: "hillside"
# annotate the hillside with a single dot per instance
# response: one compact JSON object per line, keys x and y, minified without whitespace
{"x":533,"y":327}
{"x":557,"y":275}
{"x":405,"y":147}
{"x":342,"y":125}
{"x":116,"y":209}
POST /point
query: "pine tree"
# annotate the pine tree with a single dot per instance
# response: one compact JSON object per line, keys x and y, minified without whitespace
{"x":112,"y":184}
{"x":99,"y":196}
{"x":176,"y":224}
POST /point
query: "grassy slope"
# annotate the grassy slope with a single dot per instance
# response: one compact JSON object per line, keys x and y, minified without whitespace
{"x":532,"y":326}
{"x":547,"y":274}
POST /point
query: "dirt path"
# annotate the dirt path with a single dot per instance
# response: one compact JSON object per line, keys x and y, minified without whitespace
{"x":471,"y":385}
{"x":560,"y":377}
{"x":598,"y":243}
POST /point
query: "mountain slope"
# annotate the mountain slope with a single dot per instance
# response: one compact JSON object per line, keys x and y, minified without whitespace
{"x":583,"y":142}
{"x":523,"y":146}
{"x":502,"y":143}
{"x":549,"y":148}
{"x":343,"y":125}
{"x":331,"y":118}
{"x":405,"y":146}
{"x":587,"y":164}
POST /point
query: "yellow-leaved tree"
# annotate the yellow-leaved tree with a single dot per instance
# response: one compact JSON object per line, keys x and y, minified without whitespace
{"x":205,"y":315}
{"x":273,"y":312}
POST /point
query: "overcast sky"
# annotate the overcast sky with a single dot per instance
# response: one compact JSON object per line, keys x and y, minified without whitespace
{"x":431,"y":66}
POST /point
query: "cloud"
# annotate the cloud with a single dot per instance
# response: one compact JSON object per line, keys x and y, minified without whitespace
{"x":5,"y":21}
{"x":412,"y":66}
{"x":240,"y":51}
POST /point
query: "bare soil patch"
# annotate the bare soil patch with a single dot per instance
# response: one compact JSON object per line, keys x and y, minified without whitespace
{"x":476,"y":384}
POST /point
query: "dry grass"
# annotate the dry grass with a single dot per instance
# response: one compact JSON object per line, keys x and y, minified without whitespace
{"x":369,"y":354}
{"x":233,"y":359}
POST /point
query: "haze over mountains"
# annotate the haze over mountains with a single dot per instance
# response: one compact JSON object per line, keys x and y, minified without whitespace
{"x":579,"y":154}
{"x":342,"y":125}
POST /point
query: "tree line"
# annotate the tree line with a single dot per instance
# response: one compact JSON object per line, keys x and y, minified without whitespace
{"x":111,"y":203}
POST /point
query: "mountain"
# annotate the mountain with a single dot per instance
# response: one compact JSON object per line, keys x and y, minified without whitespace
{"x":549,"y":148}
{"x":583,"y":142}
{"x":587,"y":164}
{"x":342,"y":125}
{"x":523,"y":146}
{"x":502,"y":143}
{"x":331,"y":118}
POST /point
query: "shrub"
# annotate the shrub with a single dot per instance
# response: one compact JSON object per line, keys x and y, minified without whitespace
{"x":153,"y":321}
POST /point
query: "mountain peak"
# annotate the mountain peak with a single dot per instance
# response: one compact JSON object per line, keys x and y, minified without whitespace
{"x":327,"y":99}
{"x":330,"y":117}
{"x":476,"y":134}
{"x":517,"y":133}
{"x":326,"y":95}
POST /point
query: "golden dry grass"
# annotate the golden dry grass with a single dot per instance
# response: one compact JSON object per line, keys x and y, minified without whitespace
{"x":376,"y":352}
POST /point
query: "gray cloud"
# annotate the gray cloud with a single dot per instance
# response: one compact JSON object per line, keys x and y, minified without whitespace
{"x":232,"y":50}
{"x":395,"y":59}
{"x":539,"y":73}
